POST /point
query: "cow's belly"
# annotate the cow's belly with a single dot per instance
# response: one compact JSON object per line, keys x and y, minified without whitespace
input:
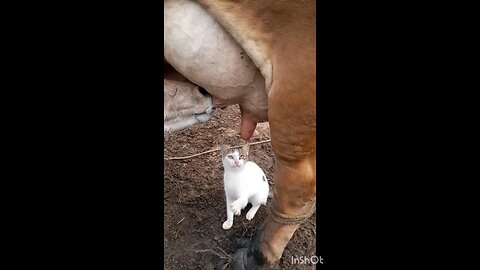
{"x":201,"y":50}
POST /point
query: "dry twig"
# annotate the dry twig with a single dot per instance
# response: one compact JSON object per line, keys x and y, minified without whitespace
{"x":213,"y":150}
{"x":225,"y":266}
{"x":176,"y":233}
{"x":180,"y":220}
{"x":224,"y":252}
{"x":212,"y":251}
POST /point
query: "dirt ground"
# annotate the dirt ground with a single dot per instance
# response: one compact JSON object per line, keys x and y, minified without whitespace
{"x":195,"y":200}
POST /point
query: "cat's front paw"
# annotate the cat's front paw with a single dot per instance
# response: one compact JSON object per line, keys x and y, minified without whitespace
{"x":250,"y":215}
{"x":236,"y":209}
{"x":227,"y":224}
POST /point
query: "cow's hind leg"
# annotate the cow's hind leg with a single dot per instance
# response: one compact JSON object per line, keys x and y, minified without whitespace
{"x":294,"y":202}
{"x":293,"y":133}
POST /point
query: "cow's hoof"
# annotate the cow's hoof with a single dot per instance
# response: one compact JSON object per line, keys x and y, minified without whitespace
{"x":243,"y":260}
{"x":239,"y":258}
{"x":240,"y":243}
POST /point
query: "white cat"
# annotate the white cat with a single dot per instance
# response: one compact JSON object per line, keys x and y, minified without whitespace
{"x":244,"y":183}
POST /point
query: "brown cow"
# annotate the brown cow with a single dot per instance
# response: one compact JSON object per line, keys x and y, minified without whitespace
{"x":278,"y":38}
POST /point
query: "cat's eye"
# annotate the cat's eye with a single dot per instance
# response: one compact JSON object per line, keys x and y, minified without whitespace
{"x":242,"y":156}
{"x":230,"y":156}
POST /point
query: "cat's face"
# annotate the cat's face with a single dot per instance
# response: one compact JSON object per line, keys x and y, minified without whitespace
{"x":235,"y":158}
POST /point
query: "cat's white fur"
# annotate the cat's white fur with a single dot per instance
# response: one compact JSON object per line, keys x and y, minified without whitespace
{"x":244,"y":183}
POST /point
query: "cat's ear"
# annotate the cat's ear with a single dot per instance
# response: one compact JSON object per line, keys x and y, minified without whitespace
{"x":223,"y":150}
{"x":246,"y":148}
